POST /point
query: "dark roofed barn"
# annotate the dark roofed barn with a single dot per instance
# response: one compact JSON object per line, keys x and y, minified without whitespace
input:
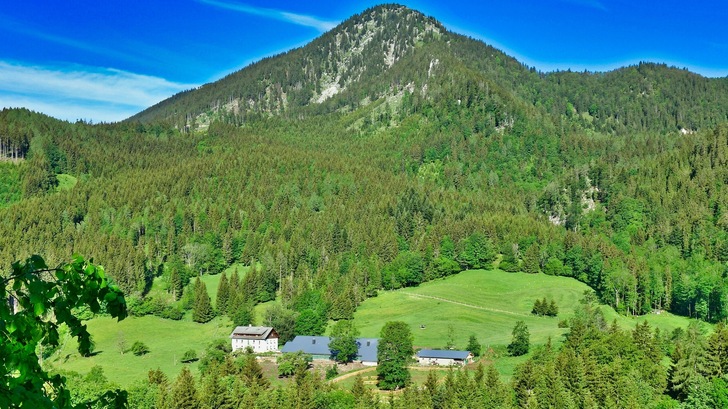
{"x":318,"y":348}
{"x":444,"y":357}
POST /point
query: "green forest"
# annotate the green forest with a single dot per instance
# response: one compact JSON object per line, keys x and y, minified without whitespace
{"x":454,"y":157}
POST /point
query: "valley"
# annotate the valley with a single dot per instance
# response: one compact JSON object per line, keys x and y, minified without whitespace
{"x":391,"y":174}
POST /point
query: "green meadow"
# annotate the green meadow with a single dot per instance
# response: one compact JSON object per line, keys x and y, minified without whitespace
{"x":167,"y":341}
{"x":486,"y":303}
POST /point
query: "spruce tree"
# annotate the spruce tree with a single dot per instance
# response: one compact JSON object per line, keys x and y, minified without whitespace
{"x":214,"y":393}
{"x":251,"y":371}
{"x":552,"y":309}
{"x":202,"y":307}
{"x":223,"y":294}
{"x":717,"y":352}
{"x":689,"y":363}
{"x":241,"y":313}
{"x":184,"y":392}
{"x":531,"y":260}
{"x":176,"y":286}
{"x":537,"y":308}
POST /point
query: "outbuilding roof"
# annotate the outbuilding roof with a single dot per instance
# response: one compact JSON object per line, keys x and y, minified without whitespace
{"x":443,"y":354}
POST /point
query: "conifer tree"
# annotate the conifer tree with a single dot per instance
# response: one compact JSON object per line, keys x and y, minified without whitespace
{"x":552,"y":309}
{"x":176,"y":286}
{"x":214,"y":393}
{"x":241,"y":313}
{"x":717,"y":352}
{"x":531,"y":259}
{"x":184,"y":391}
{"x":234,"y":283}
{"x":689,"y":362}
{"x":202,"y":307}
{"x":537,"y":308}
{"x":509,"y":262}
{"x":223,"y":294}
{"x":251,"y":371}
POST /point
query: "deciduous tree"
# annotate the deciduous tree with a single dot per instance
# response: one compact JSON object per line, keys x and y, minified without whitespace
{"x":41,"y":292}
{"x":394,"y":353}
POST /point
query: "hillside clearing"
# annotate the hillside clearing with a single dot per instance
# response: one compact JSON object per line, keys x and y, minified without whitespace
{"x":486,"y":303}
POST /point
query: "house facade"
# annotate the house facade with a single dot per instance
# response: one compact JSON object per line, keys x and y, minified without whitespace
{"x":318,"y":348}
{"x":443,"y":357}
{"x":260,"y":339}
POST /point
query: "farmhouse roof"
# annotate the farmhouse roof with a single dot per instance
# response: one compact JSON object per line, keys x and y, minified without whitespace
{"x":250,"y":332}
{"x":443,"y":354}
{"x":367,"y":349}
{"x":316,"y":345}
{"x":307,"y":344}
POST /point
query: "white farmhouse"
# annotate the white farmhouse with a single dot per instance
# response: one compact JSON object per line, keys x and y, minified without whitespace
{"x":261,"y":339}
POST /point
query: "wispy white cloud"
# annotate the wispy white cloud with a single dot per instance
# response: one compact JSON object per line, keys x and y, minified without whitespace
{"x":104,"y":94}
{"x":300,"y":19}
{"x":30,"y":31}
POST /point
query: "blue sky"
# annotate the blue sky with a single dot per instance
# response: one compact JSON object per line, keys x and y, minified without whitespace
{"x":106,"y":60}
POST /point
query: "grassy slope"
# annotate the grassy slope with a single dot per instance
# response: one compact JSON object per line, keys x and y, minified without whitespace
{"x":167,"y":341}
{"x":495,"y":301}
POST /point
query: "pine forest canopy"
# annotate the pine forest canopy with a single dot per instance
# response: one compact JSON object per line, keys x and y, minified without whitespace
{"x":386,"y":153}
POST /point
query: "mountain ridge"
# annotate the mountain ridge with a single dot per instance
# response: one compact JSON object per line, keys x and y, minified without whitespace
{"x":343,"y":68}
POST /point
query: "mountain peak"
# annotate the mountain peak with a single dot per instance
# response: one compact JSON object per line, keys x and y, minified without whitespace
{"x":362,"y":47}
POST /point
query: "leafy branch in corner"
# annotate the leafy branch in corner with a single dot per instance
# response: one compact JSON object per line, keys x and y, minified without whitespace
{"x":33,"y":308}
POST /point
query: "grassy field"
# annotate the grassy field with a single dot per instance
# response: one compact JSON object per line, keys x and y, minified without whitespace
{"x":484,"y":303}
{"x":487,"y":304}
{"x":167,"y":341}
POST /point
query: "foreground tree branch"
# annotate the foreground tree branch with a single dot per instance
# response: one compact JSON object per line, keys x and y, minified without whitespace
{"x":43,"y":305}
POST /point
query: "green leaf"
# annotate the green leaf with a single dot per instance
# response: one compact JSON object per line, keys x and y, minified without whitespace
{"x":39,"y":308}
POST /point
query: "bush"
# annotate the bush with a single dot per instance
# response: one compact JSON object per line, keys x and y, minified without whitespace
{"x":290,"y":363}
{"x":139,"y":348}
{"x":172,"y":313}
{"x":189,"y":356}
{"x":140,"y":307}
{"x":332,"y":372}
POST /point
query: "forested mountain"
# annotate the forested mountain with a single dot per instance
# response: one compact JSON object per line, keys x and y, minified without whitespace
{"x":388,"y":50}
{"x":383,"y":154}
{"x":387,"y":152}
